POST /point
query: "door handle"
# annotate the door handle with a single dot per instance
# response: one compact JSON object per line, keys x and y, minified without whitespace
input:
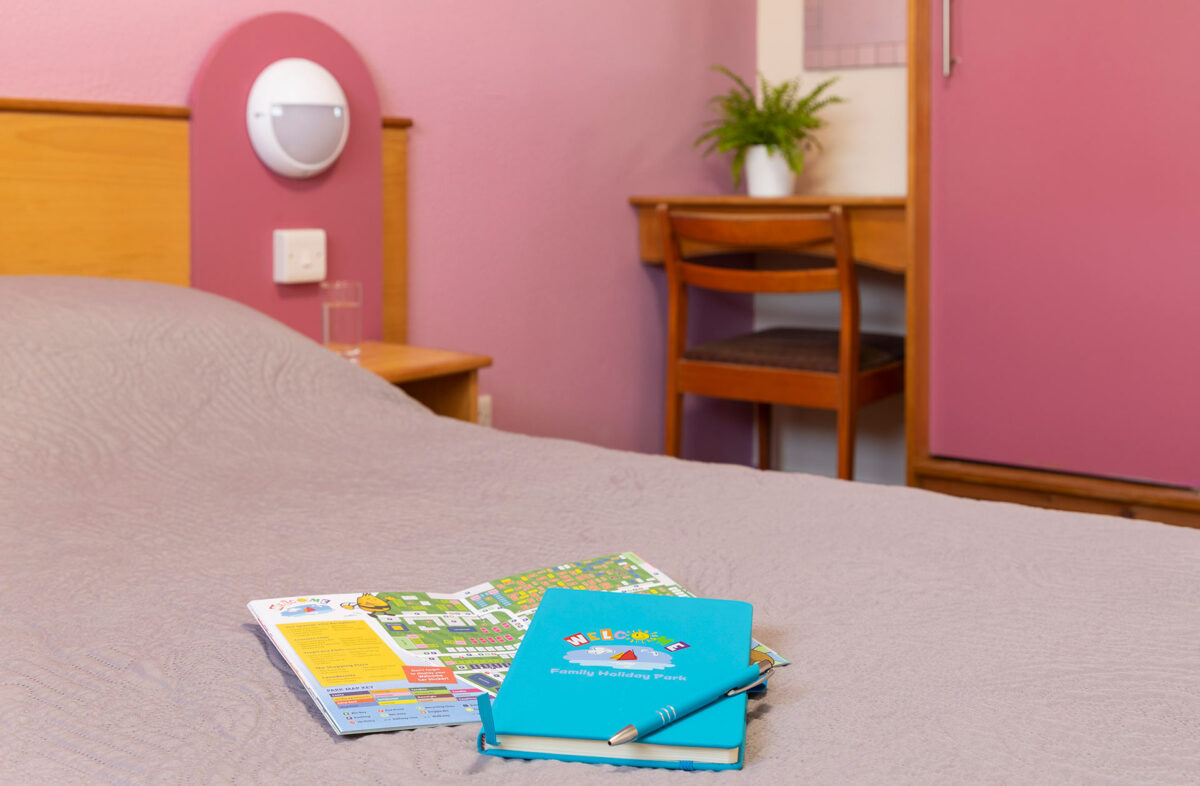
{"x":948,"y":62}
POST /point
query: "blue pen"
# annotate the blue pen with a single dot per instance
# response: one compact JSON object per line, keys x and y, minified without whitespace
{"x":744,"y":680}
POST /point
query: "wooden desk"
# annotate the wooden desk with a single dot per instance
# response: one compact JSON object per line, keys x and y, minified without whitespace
{"x":878,"y":225}
{"x":442,"y":380}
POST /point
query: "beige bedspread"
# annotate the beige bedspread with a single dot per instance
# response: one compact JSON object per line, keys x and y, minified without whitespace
{"x":166,"y":456}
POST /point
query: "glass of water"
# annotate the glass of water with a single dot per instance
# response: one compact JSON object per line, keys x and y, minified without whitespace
{"x":341,"y":317}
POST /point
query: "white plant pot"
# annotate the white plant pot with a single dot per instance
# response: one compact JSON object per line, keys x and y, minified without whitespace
{"x":767,"y":173}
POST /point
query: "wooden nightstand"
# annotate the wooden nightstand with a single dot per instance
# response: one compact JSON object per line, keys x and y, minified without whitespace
{"x":442,"y":380}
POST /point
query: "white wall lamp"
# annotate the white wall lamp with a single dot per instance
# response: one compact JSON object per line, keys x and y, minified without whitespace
{"x":297,"y":117}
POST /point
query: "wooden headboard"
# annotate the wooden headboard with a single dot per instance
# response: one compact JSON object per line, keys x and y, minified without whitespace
{"x":102,"y":190}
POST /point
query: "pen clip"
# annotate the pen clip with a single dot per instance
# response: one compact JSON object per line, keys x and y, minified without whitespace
{"x":761,"y":679}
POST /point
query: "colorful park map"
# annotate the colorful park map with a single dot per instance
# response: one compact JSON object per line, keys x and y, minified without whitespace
{"x":384,"y":660}
{"x":476,"y":631}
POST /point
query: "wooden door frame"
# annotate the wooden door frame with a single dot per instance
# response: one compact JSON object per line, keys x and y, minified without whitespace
{"x":917,"y":279}
{"x":975,"y":479}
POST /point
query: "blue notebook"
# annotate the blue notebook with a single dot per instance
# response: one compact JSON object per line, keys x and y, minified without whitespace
{"x":593,"y":662}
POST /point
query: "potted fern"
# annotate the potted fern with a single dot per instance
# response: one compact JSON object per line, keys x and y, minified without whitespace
{"x":768,"y":138}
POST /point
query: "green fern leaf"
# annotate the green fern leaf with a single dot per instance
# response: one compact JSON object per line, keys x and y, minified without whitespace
{"x":782,"y":119}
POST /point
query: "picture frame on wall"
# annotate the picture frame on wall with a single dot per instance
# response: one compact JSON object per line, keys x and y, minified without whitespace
{"x":854,"y":34}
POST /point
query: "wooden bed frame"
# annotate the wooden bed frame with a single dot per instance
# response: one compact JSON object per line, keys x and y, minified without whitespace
{"x":102,"y":190}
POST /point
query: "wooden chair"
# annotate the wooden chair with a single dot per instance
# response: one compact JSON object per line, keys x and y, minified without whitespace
{"x":839,"y":370}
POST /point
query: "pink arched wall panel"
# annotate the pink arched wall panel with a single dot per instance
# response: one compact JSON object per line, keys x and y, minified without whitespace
{"x":237,"y":202}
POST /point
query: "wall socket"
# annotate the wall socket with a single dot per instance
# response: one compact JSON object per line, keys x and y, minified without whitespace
{"x":484,"y":410}
{"x":299,"y":255}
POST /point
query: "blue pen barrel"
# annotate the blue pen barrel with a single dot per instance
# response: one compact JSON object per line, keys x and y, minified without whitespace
{"x":700,"y":698}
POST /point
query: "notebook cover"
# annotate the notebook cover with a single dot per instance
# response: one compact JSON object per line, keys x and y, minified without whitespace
{"x":593,"y":662}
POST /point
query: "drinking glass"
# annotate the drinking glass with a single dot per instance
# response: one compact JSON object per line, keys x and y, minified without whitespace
{"x":341,"y":317}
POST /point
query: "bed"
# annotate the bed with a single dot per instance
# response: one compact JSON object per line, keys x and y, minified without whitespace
{"x":167,"y":455}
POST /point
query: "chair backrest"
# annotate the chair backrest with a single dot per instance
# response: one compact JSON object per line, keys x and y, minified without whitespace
{"x":784,"y":232}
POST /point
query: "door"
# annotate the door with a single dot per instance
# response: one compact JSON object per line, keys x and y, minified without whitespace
{"x":1065,"y":238}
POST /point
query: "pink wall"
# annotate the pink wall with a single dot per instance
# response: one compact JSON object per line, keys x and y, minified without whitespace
{"x":535,"y":120}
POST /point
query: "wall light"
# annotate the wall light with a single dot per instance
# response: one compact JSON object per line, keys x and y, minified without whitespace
{"x":297,"y":117}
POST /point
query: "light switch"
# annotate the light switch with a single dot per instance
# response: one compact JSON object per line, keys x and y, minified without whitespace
{"x":299,"y":255}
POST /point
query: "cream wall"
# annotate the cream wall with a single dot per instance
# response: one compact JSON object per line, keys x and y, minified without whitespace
{"x":864,"y":152}
{"x":865,"y":142}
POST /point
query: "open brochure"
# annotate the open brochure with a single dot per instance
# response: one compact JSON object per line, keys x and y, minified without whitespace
{"x":378,"y":661}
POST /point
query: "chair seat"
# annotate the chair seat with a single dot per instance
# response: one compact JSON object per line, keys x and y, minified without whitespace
{"x":806,"y":349}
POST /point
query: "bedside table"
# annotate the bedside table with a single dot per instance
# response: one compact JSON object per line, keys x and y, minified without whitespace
{"x":442,"y":380}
